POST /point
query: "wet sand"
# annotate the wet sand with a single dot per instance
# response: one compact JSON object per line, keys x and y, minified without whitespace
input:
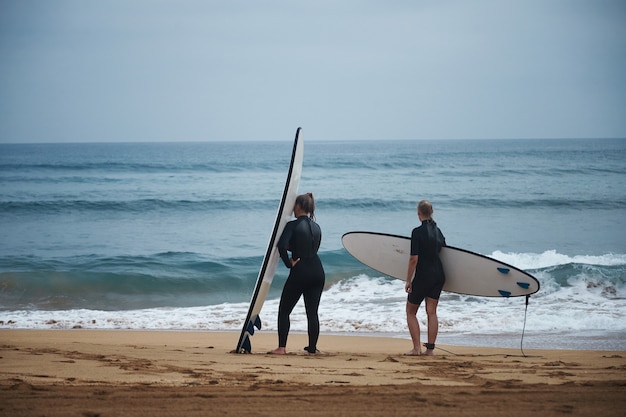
{"x":167,"y":373}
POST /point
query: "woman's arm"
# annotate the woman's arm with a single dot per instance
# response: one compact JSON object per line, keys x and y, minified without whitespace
{"x":283,"y":245}
{"x":410,"y":273}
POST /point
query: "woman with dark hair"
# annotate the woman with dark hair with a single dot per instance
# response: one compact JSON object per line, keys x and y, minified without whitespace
{"x":301,"y":237}
{"x":425,"y":277}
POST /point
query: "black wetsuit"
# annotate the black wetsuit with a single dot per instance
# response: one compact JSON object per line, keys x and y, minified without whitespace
{"x":426,"y":242}
{"x":302,"y":237}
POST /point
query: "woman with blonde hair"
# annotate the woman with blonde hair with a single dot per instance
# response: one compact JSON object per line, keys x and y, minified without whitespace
{"x":425,"y":278}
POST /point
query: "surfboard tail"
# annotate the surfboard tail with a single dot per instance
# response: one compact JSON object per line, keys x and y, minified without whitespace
{"x":246,"y":346}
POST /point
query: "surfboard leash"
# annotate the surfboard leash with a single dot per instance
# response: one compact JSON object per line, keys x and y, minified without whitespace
{"x":521,"y":343}
{"x":524,"y":330}
{"x":524,"y":355}
{"x":521,"y":346}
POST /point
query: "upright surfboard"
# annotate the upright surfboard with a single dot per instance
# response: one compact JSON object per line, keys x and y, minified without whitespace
{"x":466,"y":272}
{"x":270,"y":260}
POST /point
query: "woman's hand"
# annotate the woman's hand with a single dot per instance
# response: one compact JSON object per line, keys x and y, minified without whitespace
{"x":410,"y":273}
{"x":294,"y":262}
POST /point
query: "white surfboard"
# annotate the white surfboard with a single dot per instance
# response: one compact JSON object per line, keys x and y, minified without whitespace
{"x":270,"y":260}
{"x":466,"y":272}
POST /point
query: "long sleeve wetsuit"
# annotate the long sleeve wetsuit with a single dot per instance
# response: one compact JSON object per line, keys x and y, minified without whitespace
{"x":302,"y":237}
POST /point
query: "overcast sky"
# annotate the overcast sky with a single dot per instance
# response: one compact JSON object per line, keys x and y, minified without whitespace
{"x":198,"y":70}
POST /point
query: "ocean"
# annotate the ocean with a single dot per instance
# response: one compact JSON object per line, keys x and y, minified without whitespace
{"x":170,"y":236}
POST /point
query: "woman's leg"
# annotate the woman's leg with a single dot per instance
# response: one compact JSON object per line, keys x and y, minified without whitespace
{"x":433,"y":322}
{"x":312,"y":299}
{"x":414,"y":328}
{"x":288,"y":301}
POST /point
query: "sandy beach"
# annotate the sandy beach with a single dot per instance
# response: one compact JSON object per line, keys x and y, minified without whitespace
{"x":167,"y":373}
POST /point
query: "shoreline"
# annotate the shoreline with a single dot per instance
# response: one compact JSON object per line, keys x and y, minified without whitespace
{"x":597,"y":340}
{"x":112,"y":372}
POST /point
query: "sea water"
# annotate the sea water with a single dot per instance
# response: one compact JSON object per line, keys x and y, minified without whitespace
{"x":171,"y":236}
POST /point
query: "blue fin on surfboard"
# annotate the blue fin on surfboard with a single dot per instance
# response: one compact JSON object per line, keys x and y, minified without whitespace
{"x":250,"y":328}
{"x":252,"y":324}
{"x":505,"y":293}
{"x":524,"y":285}
{"x":504,"y":270}
{"x":246,"y":346}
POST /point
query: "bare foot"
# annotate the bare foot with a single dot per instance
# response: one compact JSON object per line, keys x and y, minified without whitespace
{"x":413,"y":353}
{"x":430,"y":352}
{"x":278,"y":351}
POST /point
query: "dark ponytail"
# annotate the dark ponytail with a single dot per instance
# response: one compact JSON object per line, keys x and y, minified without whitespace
{"x":307,"y":204}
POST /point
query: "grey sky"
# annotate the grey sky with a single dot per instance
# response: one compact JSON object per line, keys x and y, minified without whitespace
{"x":151,"y":70}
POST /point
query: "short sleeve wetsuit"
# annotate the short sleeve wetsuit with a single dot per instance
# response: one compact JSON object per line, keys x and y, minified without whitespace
{"x":426,"y":242}
{"x":302,"y":237}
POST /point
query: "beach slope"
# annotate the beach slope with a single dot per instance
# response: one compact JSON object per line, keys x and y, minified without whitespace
{"x":168,"y":373}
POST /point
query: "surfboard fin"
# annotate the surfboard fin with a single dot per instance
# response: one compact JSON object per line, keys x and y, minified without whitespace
{"x":246,"y":346}
{"x":505,"y":293}
{"x":524,"y":285}
{"x":250,"y":328}
{"x":504,"y":270}
{"x":252,"y":324}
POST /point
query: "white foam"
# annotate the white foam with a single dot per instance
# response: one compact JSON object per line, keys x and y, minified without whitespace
{"x":553,"y":258}
{"x":367,"y":305}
